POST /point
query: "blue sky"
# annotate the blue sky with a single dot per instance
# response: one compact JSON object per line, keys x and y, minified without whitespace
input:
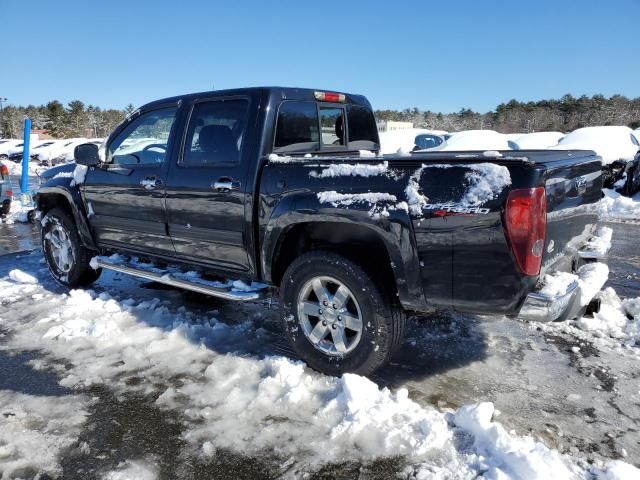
{"x":440,"y":56}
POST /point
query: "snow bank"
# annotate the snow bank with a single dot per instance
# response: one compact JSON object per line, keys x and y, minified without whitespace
{"x":506,"y":455}
{"x":619,"y":319}
{"x":618,"y":207}
{"x":22,"y":277}
{"x":134,"y":470}
{"x":611,"y":143}
{"x":199,"y":367}
{"x":17,"y":213}
{"x":34,"y":430}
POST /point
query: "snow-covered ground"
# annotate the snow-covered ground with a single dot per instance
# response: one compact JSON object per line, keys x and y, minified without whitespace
{"x":232,"y":394}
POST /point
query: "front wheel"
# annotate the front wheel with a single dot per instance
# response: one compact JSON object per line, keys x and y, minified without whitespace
{"x":66,"y":256}
{"x":336,"y":318}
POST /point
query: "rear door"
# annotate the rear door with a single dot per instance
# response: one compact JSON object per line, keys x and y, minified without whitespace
{"x":208,"y":189}
{"x":125,"y":195}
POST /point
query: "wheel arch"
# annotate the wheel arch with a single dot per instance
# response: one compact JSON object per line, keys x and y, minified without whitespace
{"x":386,"y":249}
{"x":57,"y":197}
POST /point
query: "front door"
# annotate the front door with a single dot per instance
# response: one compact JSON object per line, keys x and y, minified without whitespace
{"x":125,"y":195}
{"x":207,"y":189}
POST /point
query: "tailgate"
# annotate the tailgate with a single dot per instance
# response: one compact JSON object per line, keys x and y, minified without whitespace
{"x":573,"y":188}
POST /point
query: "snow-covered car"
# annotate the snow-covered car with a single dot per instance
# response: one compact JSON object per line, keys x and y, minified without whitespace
{"x":35,"y":151}
{"x":395,"y":141}
{"x":6,"y":145}
{"x":59,"y":152}
{"x":425,"y":141}
{"x":537,"y":140}
{"x":15,"y":153}
{"x":6,"y":192}
{"x":618,"y":148}
{"x":469,"y":140}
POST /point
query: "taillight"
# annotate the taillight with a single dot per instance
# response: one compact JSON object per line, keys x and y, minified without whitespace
{"x":9,"y":193}
{"x":4,"y":170}
{"x":525,"y":224}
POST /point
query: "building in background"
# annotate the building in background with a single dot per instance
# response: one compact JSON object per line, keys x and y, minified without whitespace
{"x":390,"y":126}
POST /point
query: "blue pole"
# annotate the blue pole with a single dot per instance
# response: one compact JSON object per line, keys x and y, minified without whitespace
{"x":24,"y":181}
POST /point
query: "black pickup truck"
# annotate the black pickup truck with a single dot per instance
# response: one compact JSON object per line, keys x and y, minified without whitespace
{"x":241,"y":192}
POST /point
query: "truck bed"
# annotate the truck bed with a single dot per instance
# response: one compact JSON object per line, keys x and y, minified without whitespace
{"x":445,"y":210}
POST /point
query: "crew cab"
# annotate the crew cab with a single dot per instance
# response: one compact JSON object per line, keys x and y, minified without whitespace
{"x":241,"y":193}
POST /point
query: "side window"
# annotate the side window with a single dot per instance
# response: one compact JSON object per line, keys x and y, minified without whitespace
{"x":297,"y":128}
{"x":332,"y":125}
{"x":144,"y":140}
{"x":363,"y":132}
{"x":215,"y":133}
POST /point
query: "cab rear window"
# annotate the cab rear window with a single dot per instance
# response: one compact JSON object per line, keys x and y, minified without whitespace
{"x":309,"y":127}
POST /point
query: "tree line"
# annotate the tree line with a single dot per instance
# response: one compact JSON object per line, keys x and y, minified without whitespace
{"x":563,"y":115}
{"x":73,"y":120}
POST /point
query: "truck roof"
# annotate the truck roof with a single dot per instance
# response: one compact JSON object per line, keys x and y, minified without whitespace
{"x":274,"y":94}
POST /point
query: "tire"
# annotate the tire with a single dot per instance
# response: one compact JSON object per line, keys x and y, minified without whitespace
{"x":69,"y":266}
{"x":382,"y":320}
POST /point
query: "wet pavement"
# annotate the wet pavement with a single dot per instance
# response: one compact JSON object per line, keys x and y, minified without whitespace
{"x":583,"y":401}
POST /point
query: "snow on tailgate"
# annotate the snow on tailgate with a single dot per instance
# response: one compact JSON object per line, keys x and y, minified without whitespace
{"x":483,"y":182}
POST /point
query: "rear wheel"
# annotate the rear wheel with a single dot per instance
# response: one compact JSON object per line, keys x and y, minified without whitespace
{"x":336,"y":317}
{"x":66,"y":256}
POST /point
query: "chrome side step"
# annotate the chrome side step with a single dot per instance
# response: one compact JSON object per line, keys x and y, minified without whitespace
{"x":201,"y":286}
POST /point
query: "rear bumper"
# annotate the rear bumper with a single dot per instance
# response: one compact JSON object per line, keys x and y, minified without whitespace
{"x":541,"y":307}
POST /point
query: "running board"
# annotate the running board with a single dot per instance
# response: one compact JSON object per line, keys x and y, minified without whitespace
{"x":201,"y":286}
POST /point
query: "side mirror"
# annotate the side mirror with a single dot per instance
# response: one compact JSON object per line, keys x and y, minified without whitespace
{"x":86,"y":154}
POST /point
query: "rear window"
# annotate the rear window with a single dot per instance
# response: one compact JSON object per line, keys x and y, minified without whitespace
{"x":310,"y":127}
{"x":297,"y":129}
{"x":363,"y":132}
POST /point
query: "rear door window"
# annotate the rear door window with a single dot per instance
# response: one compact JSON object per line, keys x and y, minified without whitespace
{"x":215,"y":133}
{"x":297,"y":128}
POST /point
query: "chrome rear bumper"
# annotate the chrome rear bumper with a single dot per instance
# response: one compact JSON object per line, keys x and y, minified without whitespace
{"x":540,"y":307}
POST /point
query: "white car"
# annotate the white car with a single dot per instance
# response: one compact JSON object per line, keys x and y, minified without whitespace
{"x":403,"y":140}
{"x":612,"y":143}
{"x":15,"y":153}
{"x":6,"y":145}
{"x":468,"y":140}
{"x":537,"y":140}
{"x":65,"y":152}
{"x":58,"y":152}
{"x":618,"y":147}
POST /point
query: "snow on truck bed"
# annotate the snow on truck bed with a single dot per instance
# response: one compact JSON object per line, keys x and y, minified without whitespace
{"x":203,"y":369}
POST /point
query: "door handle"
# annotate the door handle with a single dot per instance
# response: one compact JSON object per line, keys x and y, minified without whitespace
{"x":225,"y":184}
{"x":150,"y":183}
